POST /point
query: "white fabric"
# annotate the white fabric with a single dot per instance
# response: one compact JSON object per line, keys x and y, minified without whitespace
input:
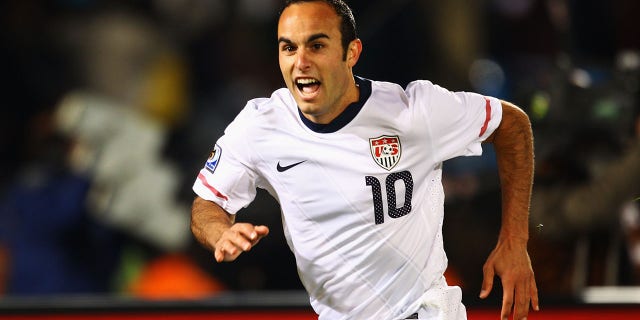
{"x":351,"y":266}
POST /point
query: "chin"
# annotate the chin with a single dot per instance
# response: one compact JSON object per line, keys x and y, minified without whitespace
{"x":307,"y":108}
{"x":306,"y":105}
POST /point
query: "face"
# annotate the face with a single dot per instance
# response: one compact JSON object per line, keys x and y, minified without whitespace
{"x":311,"y":60}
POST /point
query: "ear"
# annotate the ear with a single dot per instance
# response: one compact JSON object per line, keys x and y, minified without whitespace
{"x":353,"y":52}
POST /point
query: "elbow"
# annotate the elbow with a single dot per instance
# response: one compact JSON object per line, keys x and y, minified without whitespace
{"x":196,"y":211}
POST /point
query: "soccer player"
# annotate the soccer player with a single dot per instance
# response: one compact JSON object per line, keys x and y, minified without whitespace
{"x":356,"y":167}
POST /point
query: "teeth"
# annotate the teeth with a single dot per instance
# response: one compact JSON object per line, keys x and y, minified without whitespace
{"x":306,"y":81}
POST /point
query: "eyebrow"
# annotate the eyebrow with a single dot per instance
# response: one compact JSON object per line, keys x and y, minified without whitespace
{"x":311,"y":38}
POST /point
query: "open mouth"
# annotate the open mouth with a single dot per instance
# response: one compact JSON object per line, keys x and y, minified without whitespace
{"x":307,"y":85}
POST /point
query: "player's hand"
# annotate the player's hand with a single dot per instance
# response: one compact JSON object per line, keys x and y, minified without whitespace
{"x":239,"y":238}
{"x":510,"y":261}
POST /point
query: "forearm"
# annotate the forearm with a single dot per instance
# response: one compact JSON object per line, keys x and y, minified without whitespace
{"x":513,"y":143}
{"x":208,"y":222}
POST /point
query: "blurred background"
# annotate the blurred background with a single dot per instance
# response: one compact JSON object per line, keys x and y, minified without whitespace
{"x":110,"y":108}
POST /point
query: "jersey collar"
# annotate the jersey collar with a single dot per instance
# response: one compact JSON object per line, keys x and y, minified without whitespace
{"x":347,"y":115}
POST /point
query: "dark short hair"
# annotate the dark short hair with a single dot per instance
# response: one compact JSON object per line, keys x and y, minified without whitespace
{"x":348,"y":30}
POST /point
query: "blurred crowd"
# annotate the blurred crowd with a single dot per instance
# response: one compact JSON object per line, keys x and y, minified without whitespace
{"x":109,"y":109}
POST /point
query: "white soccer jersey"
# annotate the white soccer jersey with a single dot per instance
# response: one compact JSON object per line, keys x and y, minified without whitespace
{"x":361,"y":198}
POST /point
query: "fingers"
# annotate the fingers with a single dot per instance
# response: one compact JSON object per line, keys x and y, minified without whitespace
{"x":507,"y":301}
{"x":261,"y":231}
{"x":219,"y":254}
{"x":239,"y":238}
{"x":487,"y":281}
{"x":522,"y":299}
{"x":518,"y":297}
{"x":534,"y":294}
{"x":510,"y":262}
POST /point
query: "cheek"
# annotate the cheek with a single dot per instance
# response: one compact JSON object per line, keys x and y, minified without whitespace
{"x":286,"y":68}
{"x":284,"y":64}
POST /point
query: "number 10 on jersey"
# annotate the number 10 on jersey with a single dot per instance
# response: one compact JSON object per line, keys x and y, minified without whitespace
{"x":392,"y":197}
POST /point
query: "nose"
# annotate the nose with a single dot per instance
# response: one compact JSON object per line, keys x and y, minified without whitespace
{"x":302,"y":60}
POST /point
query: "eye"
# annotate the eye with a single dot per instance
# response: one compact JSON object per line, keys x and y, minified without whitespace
{"x":317,"y":46}
{"x":288,"y":48}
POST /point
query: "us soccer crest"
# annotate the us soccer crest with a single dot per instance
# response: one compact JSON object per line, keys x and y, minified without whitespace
{"x":386,"y":151}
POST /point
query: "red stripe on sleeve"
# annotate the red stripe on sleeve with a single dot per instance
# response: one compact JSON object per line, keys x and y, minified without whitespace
{"x":487,"y":117}
{"x":212,"y":189}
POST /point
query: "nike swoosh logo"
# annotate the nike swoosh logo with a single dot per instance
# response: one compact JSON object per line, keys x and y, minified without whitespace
{"x":285,"y":168}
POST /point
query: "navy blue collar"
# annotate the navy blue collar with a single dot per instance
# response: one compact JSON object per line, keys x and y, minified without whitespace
{"x":347,"y":115}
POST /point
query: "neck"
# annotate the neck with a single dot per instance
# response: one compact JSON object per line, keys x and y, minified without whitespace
{"x":350,"y":96}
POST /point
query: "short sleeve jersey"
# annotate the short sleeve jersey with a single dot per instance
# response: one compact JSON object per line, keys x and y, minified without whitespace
{"x":361,"y":198}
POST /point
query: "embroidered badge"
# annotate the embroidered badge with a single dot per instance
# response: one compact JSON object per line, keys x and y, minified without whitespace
{"x":214,"y":157}
{"x":386,"y":151}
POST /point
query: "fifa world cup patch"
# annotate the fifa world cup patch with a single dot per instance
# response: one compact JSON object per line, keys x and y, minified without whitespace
{"x":386,"y":151}
{"x":214,"y":158}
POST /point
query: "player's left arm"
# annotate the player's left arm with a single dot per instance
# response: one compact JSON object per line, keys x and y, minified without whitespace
{"x":513,"y":144}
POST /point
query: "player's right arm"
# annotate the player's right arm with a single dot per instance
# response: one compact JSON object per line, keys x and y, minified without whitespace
{"x":217,"y":231}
